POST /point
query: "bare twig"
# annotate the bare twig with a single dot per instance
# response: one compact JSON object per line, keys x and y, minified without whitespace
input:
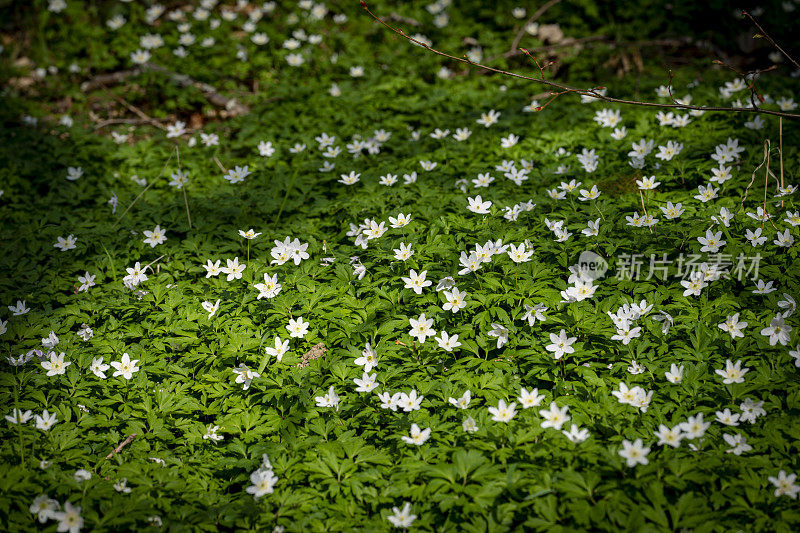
{"x":595,"y":92}
{"x":601,"y":40}
{"x":109,"y":78}
{"x":113,"y":121}
{"x":539,"y":12}
{"x":768,"y":38}
{"x":122,"y":445}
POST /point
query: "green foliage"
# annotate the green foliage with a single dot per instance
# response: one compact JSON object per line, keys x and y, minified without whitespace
{"x":344,"y":468}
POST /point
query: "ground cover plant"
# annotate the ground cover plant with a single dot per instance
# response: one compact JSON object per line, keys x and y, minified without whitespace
{"x":274,"y":267}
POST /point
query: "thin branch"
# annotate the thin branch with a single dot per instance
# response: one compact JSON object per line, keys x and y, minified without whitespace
{"x":539,"y":12}
{"x":768,"y":38}
{"x":122,"y":445}
{"x":585,"y":92}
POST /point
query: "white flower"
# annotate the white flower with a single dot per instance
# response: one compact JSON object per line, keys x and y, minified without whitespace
{"x":411,"y":401}
{"x":477,"y":205}
{"x":125,"y":367}
{"x":249,"y":234}
{"x":234,"y":270}
{"x":367,"y":382}
{"x":576,"y":435}
{"x":508,"y":142}
{"x":245,"y":375}
{"x":530,"y":399}
{"x":733,"y":373}
{"x":534,"y":313}
{"x":501,"y":333}
{"x":19,"y":417}
{"x":503,"y":412}
{"x":69,"y":519}
{"x":738,"y":443}
{"x":712,"y":242}
{"x":211,"y":434}
{"x":67,"y":243}
{"x":99,"y":368}
{"x":155,"y":237}
{"x":561,"y":344}
{"x":416,"y":281}
{"x":56,"y":364}
{"x":785,"y":485}
{"x":421,"y":328}
{"x":122,"y":486}
{"x":667,"y":436}
{"x":400,"y":221}
{"x":270,"y":288}
{"x":263,"y":482}
{"x":329,"y":399}
{"x":176,"y":130}
{"x":237,"y":174}
{"x":675,"y":374}
{"x":463,"y":402}
{"x":778,"y":331}
{"x":297,"y":328}
{"x":489,"y":118}
{"x":554,"y":417}
{"x":694,"y":427}
{"x":469,"y":425}
{"x":733,"y":326}
{"x":634,"y":452}
{"x":418,"y":436}
{"x":727,"y":418}
{"x":281,"y":347}
{"x":402,"y":518}
{"x":44,"y":507}
{"x":368,"y":359}
{"x":82,"y":475}
{"x":210,"y":308}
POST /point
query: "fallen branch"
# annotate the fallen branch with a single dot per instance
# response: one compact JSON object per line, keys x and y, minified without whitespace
{"x":141,"y":114}
{"x":122,"y":445}
{"x":405,"y":20}
{"x":564,"y":88}
{"x":231,"y":105}
{"x":539,"y":12}
{"x":114,"y":121}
